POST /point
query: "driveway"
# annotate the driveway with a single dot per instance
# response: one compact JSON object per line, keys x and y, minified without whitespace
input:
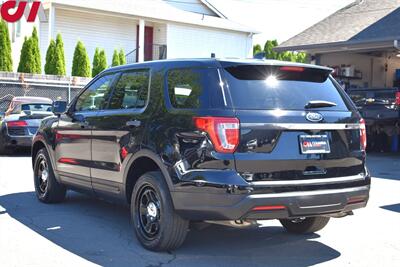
{"x":85,"y":232}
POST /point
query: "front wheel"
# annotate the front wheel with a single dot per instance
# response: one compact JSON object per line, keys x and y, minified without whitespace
{"x":47,"y":189}
{"x":305,"y":225}
{"x":157,"y":226}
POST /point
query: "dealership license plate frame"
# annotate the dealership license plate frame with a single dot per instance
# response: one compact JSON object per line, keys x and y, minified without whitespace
{"x":316,"y":144}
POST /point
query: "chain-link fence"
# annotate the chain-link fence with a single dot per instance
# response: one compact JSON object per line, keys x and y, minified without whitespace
{"x":53,"y":87}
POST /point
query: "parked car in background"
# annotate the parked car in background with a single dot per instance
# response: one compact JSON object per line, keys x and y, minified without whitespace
{"x":228,"y":141}
{"x":21,"y":122}
{"x":380,"y":108}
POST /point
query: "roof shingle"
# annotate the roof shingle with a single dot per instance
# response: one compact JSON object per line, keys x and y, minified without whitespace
{"x":361,"y":21}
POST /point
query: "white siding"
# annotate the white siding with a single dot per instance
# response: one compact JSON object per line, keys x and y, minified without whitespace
{"x":93,"y":30}
{"x":186,"y":41}
{"x":44,"y":41}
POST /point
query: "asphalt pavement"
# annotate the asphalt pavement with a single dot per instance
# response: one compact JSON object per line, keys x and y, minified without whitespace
{"x":84,"y":231}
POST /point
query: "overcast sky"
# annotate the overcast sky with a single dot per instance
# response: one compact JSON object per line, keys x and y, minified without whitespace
{"x":278,"y":19}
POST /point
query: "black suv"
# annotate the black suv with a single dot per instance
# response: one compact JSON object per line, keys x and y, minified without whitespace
{"x":209,"y":140}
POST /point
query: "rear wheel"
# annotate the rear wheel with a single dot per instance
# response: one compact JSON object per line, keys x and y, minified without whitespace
{"x":48,"y":190}
{"x":305,"y":225}
{"x":157,"y":226}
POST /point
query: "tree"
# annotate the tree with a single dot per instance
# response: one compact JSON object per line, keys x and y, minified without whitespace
{"x":50,"y":66}
{"x":81,"y":62}
{"x":256,"y":49}
{"x":36,"y":52}
{"x":122,"y":57}
{"x":103,"y":61}
{"x":27,"y":62}
{"x":285,"y":56}
{"x":116,"y":59}
{"x":96,"y":60}
{"x":268,"y":49}
{"x":59,"y":57}
{"x":6,"y":63}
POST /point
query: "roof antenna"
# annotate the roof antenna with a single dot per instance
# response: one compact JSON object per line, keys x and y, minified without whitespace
{"x":212,"y":55}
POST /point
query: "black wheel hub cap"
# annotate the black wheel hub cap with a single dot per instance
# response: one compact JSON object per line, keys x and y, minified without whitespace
{"x":148,"y":211}
{"x":42,"y":175}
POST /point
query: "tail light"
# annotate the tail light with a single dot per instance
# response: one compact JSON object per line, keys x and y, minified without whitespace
{"x":397,"y":101}
{"x":363,"y":135}
{"x":223,"y":132}
{"x":292,"y":69}
{"x":16,"y":124}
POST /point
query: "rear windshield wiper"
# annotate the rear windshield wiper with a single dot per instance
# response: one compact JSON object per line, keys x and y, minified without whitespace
{"x":319,"y":104}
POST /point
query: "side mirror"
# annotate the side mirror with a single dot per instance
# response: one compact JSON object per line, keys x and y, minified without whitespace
{"x":59,"y":107}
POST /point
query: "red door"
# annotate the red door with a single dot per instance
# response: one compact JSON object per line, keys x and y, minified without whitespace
{"x":148,"y":43}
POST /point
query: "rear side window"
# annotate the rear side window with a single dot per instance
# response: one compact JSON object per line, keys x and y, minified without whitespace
{"x":194,"y":88}
{"x":264,"y":87}
{"x":131,"y":90}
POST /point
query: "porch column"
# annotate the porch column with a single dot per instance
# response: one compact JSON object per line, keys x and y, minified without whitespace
{"x":141,"y":40}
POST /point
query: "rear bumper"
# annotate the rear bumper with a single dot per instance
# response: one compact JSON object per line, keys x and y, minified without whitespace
{"x":234,"y":206}
{"x":17,"y":141}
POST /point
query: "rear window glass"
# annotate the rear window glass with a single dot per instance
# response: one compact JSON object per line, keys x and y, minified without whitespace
{"x":194,"y":88}
{"x":281,"y":87}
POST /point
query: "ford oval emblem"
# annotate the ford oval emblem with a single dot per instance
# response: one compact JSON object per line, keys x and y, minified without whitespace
{"x":314,"y":117}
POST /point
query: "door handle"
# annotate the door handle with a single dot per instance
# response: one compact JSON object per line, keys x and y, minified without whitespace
{"x":134,"y":123}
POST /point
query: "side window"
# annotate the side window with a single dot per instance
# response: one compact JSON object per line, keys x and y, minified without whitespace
{"x":96,"y":95}
{"x":131,"y":90}
{"x":185,"y":88}
{"x":194,"y":88}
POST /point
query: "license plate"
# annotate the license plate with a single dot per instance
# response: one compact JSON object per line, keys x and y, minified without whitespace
{"x":314,"y":144}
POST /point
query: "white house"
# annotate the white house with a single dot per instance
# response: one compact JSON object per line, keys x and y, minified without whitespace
{"x":145,"y":29}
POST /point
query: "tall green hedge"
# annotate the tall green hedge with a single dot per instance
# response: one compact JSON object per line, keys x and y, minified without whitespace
{"x":81,"y":62}
{"x":30,"y":61}
{"x":115,"y":59}
{"x":59,"y":57}
{"x":50,"y":66}
{"x":27,"y":62}
{"x":99,"y":62}
{"x":103,"y":60}
{"x":6,"y":63}
{"x":122,"y":57}
{"x":96,"y":59}
{"x":36,"y":51}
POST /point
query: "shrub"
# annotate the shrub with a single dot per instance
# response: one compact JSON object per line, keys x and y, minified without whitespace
{"x":81,"y":62}
{"x":27,"y":63}
{"x":122,"y":57}
{"x":50,"y":66}
{"x":36,"y":52}
{"x":96,"y":59}
{"x":115,"y":59}
{"x":6,"y":63}
{"x":59,"y":57}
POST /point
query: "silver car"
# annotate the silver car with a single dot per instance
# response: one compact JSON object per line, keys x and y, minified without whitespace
{"x":21,"y":121}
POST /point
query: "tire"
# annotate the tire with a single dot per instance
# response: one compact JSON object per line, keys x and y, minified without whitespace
{"x":3,"y":149}
{"x":47,"y":189}
{"x":305,"y":226}
{"x":165,"y":229}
